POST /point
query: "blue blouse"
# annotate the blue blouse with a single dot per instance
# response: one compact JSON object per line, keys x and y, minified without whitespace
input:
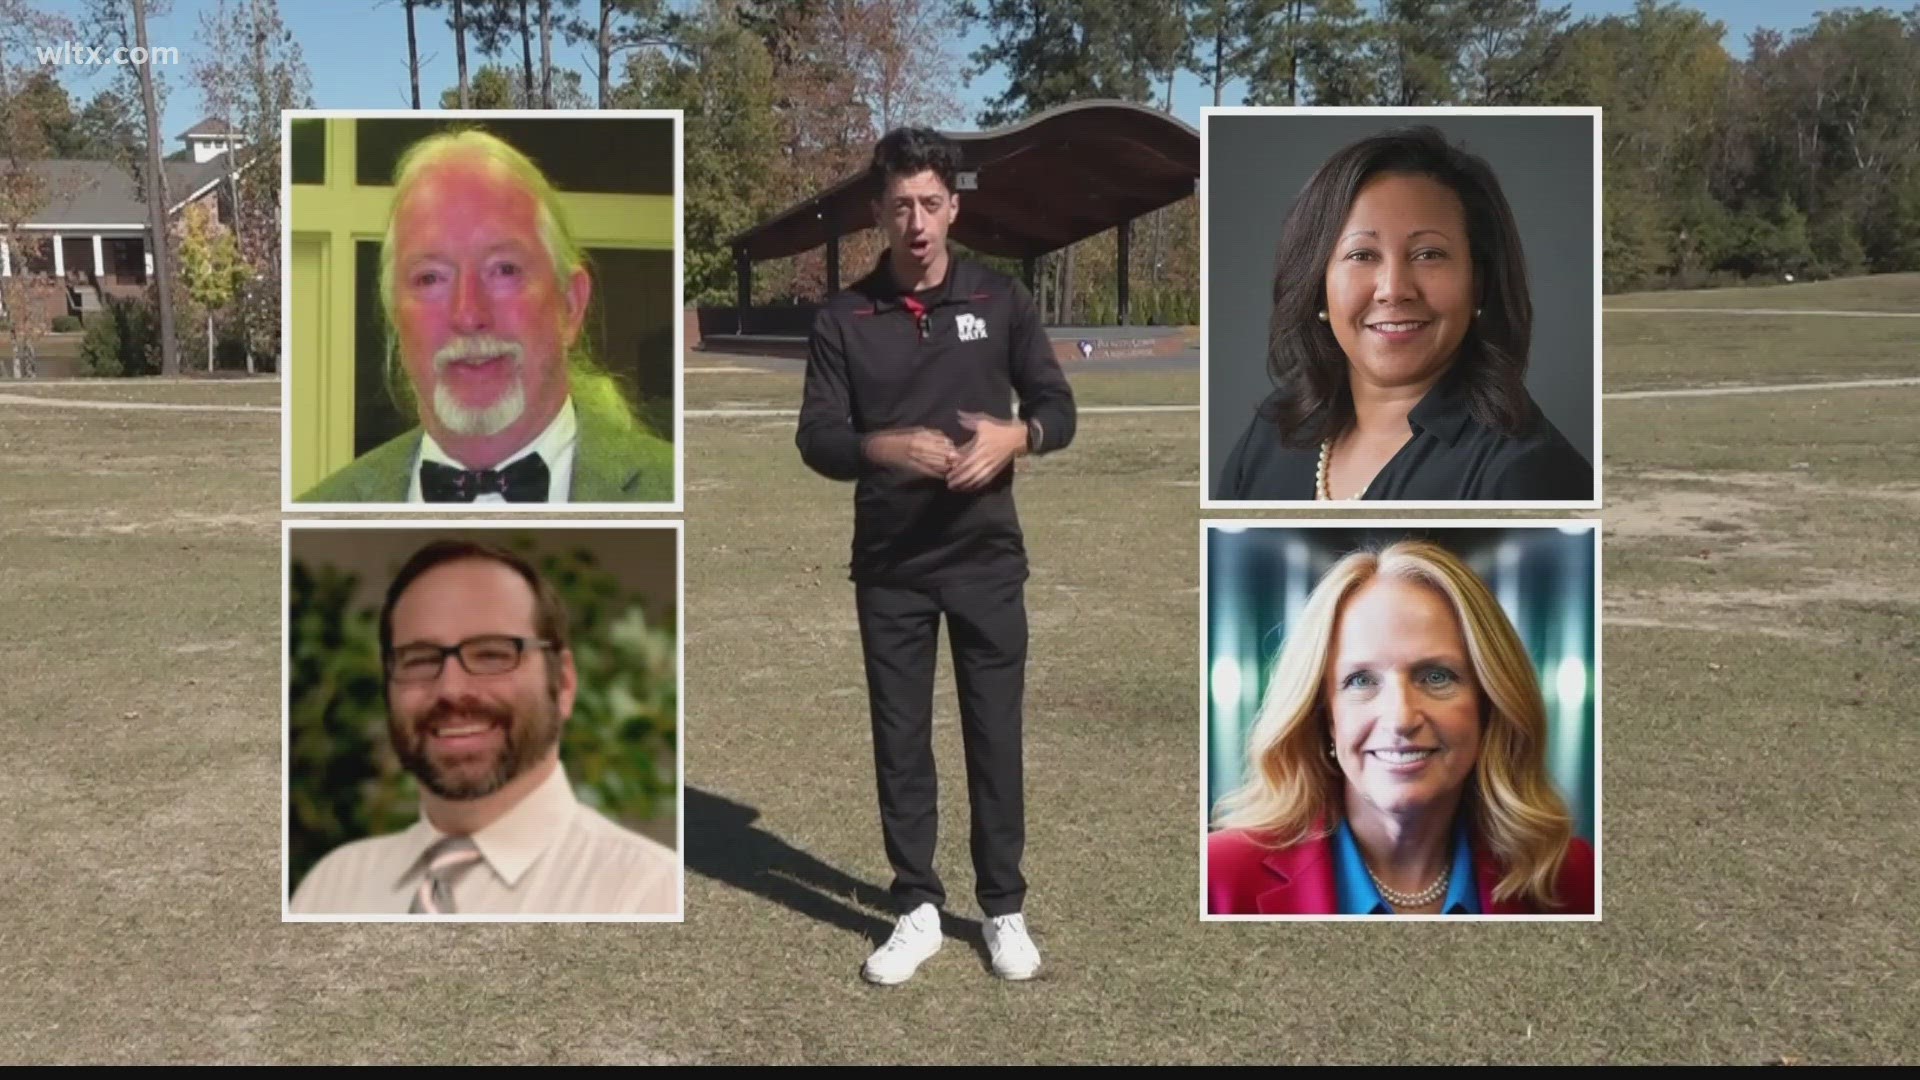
{"x":1355,"y":890}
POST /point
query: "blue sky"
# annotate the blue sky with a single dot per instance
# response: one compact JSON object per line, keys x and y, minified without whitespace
{"x":356,"y":51}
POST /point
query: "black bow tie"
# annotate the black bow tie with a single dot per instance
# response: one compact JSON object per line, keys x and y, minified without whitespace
{"x":523,"y":481}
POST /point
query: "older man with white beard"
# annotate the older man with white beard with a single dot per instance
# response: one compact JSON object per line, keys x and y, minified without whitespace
{"x":485,"y":294}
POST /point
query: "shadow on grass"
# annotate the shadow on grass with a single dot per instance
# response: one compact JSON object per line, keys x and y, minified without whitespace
{"x":725,"y":844}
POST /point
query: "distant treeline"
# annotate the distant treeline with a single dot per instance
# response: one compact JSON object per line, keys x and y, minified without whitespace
{"x":1803,"y":159}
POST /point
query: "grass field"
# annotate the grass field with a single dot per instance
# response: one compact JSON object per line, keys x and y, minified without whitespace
{"x":181,"y":392}
{"x":1758,"y":818}
{"x":1883,"y":292}
{"x":1659,"y":351}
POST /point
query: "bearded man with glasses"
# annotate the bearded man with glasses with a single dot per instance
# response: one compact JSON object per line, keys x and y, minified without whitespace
{"x":479,"y":684}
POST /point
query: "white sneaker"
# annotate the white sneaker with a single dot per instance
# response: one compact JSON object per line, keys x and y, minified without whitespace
{"x":1013,"y":952}
{"x":916,"y":936}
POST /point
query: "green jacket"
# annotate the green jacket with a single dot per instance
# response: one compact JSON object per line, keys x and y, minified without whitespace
{"x":611,"y":463}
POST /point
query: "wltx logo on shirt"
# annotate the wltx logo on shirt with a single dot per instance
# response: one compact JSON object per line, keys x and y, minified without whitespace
{"x":971,"y":327}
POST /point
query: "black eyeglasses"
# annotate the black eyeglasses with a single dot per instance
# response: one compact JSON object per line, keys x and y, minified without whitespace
{"x":491,"y":654}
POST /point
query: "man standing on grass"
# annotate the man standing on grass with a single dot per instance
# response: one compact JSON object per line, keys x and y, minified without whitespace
{"x":910,"y":378}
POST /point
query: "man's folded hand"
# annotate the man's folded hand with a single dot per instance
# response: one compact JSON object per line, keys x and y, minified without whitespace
{"x":921,"y":451}
{"x":994,"y":445}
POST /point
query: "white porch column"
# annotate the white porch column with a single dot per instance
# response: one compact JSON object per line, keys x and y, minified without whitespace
{"x":59,"y":257}
{"x":6,"y":260}
{"x":148,"y":252}
{"x":99,"y":264}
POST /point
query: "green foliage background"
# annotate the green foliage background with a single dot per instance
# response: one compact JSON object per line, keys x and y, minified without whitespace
{"x":344,"y":780}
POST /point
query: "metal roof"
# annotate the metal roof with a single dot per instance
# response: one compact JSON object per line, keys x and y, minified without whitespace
{"x":1051,"y":180}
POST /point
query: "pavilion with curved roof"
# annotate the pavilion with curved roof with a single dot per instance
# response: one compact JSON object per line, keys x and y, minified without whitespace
{"x":1034,"y":187}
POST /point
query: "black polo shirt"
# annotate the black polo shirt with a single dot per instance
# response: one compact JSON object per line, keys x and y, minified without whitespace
{"x":1451,"y":456}
{"x":873,"y":365}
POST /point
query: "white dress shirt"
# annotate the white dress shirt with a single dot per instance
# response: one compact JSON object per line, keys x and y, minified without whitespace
{"x":549,"y":855}
{"x":555,"y":446}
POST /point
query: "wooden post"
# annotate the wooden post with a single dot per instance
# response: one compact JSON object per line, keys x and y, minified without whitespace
{"x":833,"y":255}
{"x":743,"y":278}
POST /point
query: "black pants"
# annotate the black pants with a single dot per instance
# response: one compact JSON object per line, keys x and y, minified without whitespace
{"x":900,"y":635}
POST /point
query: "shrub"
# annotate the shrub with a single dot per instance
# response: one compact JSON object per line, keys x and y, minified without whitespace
{"x":100,"y":349}
{"x":122,"y":340}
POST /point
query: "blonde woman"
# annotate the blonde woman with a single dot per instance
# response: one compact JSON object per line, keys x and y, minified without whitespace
{"x":1398,"y":761}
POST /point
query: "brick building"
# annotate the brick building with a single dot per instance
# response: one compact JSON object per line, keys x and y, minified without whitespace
{"x":92,"y":233}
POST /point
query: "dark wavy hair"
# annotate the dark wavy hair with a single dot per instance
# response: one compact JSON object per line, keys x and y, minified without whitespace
{"x":549,"y":612}
{"x":1309,"y":370}
{"x":910,"y":151}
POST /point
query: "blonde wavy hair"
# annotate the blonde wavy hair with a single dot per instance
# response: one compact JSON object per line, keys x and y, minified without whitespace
{"x":1295,"y":791}
{"x":590,"y":384}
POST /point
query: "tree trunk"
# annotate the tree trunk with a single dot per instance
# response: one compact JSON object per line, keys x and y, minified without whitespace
{"x":526,"y":55}
{"x":259,"y":80}
{"x":413,"y":56}
{"x":156,"y":198}
{"x":460,"y":49}
{"x":546,"y":54}
{"x":209,"y":342}
{"x":604,"y":45}
{"x":1293,"y":54}
{"x":1219,"y":47}
{"x":233,"y":185}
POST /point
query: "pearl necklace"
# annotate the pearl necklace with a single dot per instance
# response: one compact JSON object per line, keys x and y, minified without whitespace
{"x":1321,"y":491}
{"x":1411,"y":900}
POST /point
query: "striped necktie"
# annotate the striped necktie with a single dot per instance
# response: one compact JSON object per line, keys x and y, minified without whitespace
{"x":445,"y":860}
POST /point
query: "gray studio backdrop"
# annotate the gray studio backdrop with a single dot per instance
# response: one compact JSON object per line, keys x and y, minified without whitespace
{"x":1255,"y":167}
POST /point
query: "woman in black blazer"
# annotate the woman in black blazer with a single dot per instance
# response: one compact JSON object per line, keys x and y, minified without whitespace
{"x":1398,"y":341}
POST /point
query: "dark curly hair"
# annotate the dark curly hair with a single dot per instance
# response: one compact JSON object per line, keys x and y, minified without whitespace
{"x":1309,"y":370}
{"x":910,"y":151}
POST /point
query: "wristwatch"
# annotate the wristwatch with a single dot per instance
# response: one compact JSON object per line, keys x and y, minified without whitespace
{"x":1034,"y":434}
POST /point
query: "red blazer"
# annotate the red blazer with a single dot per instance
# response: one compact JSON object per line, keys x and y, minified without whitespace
{"x":1248,"y":876}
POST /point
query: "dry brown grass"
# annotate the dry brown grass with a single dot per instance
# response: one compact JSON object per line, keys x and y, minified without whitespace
{"x":1758,"y":809}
